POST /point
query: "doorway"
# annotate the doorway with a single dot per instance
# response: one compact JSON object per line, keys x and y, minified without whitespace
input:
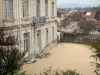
{"x":39,"y":40}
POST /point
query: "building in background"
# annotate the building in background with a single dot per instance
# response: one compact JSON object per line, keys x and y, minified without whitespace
{"x":90,"y":15}
{"x":32,"y":22}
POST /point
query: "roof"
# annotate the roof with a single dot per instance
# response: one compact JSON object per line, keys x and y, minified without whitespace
{"x":90,"y":14}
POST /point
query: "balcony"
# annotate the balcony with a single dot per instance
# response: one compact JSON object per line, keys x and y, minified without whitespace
{"x":39,"y":20}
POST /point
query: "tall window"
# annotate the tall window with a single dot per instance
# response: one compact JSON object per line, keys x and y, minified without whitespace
{"x":46,"y":7}
{"x":38,"y":8}
{"x":52,"y":33}
{"x":52,"y":8}
{"x":25,"y":5}
{"x":26,"y":42}
{"x":46,"y":36}
{"x":8,"y":9}
{"x":39,"y":41}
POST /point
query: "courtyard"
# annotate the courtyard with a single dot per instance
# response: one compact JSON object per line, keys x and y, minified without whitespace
{"x":64,"y":56}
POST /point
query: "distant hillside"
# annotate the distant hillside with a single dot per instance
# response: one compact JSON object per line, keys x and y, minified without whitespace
{"x":73,"y":5}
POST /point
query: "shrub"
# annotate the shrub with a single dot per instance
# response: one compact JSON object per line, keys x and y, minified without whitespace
{"x":96,"y":56}
{"x":20,"y":73}
{"x":59,"y":72}
{"x":10,"y":60}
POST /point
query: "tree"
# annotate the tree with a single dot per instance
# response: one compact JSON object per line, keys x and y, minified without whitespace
{"x":10,"y":60}
{"x":6,"y":39}
{"x":10,"y":57}
{"x":65,"y":22}
{"x":86,"y":26}
{"x":58,"y":14}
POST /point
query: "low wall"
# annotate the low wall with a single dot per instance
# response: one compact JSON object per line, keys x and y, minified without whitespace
{"x":80,"y":38}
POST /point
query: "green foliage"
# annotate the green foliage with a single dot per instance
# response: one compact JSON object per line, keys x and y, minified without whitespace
{"x":97,"y":51}
{"x":96,"y":56}
{"x":10,"y":57}
{"x":59,"y":72}
{"x":20,"y":73}
{"x":6,"y":39}
{"x":97,"y":68}
{"x":10,"y":60}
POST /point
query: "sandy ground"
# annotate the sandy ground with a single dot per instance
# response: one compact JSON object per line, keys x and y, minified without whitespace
{"x":65,"y":56}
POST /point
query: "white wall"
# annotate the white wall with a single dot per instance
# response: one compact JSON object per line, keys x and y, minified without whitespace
{"x":43,"y":33}
{"x":18,"y":16}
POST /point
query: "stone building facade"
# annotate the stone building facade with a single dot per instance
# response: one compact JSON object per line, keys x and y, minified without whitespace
{"x":32,"y":22}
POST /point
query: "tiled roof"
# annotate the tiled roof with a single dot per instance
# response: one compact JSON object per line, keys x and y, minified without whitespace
{"x":90,"y":14}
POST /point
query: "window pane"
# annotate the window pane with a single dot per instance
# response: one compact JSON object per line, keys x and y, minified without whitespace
{"x":8,"y":9}
{"x":25,"y":8}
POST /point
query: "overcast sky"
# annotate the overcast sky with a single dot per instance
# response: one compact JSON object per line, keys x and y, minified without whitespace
{"x":79,"y":1}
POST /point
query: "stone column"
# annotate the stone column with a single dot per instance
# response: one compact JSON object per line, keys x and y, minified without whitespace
{"x":1,"y":9}
{"x":55,"y":8}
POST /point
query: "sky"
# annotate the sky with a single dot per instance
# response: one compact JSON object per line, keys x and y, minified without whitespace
{"x":78,"y":1}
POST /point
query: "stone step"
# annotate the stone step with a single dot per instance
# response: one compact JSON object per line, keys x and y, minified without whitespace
{"x":31,"y":61}
{"x":45,"y":55}
{"x":42,"y":55}
{"x":45,"y":52}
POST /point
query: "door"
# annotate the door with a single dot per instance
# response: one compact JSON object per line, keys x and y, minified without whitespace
{"x":46,"y":36}
{"x":39,"y":40}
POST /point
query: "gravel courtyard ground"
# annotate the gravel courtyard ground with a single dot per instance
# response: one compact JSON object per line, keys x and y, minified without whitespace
{"x":65,"y":56}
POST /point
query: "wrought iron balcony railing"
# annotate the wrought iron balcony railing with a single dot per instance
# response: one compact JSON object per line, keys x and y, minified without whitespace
{"x":39,"y":20}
